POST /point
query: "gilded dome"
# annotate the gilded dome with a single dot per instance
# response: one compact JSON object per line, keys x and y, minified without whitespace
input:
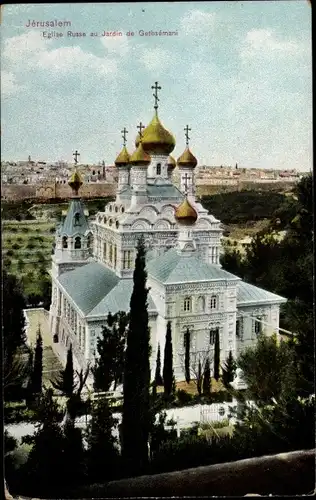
{"x":171,"y":163}
{"x":75,"y":181}
{"x":185,"y":214}
{"x":156,"y":139}
{"x":187,"y":159}
{"x":123,"y":158}
{"x":140,"y":157}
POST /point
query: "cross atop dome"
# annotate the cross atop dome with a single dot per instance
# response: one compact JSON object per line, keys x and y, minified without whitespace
{"x":140,"y":128}
{"x":156,"y":88}
{"x":76,"y":154}
{"x":187,"y":138}
{"x":124,"y":132}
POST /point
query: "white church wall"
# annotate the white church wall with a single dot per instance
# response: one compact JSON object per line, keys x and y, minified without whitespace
{"x":269,"y":314}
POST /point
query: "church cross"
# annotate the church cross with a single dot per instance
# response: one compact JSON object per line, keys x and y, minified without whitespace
{"x":76,"y":154}
{"x":187,"y":138}
{"x":186,"y":179}
{"x":140,"y":128}
{"x":124,"y":132}
{"x":156,"y":88}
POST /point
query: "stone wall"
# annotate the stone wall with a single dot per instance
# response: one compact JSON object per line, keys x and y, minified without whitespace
{"x":49,"y":190}
{"x":283,"y":474}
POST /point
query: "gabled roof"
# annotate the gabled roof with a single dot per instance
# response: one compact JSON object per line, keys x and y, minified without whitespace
{"x":173,"y":267}
{"x":75,"y":221}
{"x":118,"y":299}
{"x":88,"y":285}
{"x":164,"y":190}
{"x":249,"y":295}
{"x":96,"y":290}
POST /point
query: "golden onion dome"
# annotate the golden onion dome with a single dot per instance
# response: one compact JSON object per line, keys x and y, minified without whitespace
{"x":156,"y":139}
{"x":171,"y":163}
{"x":75,"y":181}
{"x":123,"y":158}
{"x":140,"y":157}
{"x":187,"y":159}
{"x":185,"y":214}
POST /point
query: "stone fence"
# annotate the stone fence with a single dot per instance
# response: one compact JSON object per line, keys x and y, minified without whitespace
{"x":54,"y":190}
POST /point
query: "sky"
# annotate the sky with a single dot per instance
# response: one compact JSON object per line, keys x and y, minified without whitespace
{"x":238,"y":73}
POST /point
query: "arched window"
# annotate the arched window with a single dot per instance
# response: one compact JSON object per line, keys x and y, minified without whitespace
{"x":187,"y":304}
{"x":77,"y":219}
{"x":158,"y":168}
{"x":213,"y":333}
{"x":65,"y":242}
{"x":213,"y":302}
{"x":93,"y":172}
{"x":78,"y":242}
{"x":55,"y":339}
{"x":89,"y":241}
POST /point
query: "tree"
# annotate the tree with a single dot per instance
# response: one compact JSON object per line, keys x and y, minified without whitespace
{"x":109,"y":364}
{"x":269,"y":370}
{"x":47,"y":470}
{"x":15,"y":367}
{"x":168,"y":363}
{"x":199,"y":379}
{"x":216,"y":355}
{"x":102,"y":453}
{"x":136,"y":380}
{"x":65,"y":383}
{"x":158,"y":377}
{"x":207,"y":378}
{"x":228,"y":370}
{"x":38,"y":364}
{"x":187,"y":344}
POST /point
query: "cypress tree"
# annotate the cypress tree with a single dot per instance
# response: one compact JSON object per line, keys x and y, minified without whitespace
{"x":228,"y":370}
{"x":207,"y":378}
{"x":66,"y":383}
{"x":136,"y":381}
{"x":168,"y":374}
{"x":187,"y":356}
{"x":38,"y":364}
{"x":199,"y":379}
{"x":216,"y":355}
{"x":158,"y":377}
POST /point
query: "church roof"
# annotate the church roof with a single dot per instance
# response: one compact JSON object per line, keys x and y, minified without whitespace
{"x":250,"y":295}
{"x":172,"y":267}
{"x":167,"y":191}
{"x":96,"y":290}
{"x":88,"y":285}
{"x":118,"y":299}
{"x":75,"y":221}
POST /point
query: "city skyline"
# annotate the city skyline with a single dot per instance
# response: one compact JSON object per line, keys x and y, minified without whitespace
{"x":239,"y":74}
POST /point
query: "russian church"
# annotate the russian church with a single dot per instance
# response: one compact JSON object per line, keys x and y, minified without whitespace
{"x":93,"y":261}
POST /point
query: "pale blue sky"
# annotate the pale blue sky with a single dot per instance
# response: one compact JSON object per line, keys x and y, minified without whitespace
{"x":239,"y":73}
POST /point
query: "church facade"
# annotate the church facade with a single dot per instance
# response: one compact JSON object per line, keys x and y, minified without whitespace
{"x":93,"y":262}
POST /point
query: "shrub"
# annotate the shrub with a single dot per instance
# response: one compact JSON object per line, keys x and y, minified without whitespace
{"x":10,"y":443}
{"x":10,"y":253}
{"x":25,"y":229}
{"x":183,"y":396}
{"x":30,"y":246}
{"x":16,"y":246}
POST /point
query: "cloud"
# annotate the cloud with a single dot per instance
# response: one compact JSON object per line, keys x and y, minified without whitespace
{"x":196,"y":22}
{"x":8,"y":84}
{"x":117,"y":44}
{"x":155,"y":59}
{"x":32,"y":51}
{"x":75,"y":60}
{"x":264,"y":43}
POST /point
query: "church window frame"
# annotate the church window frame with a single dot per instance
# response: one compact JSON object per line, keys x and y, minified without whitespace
{"x":158,"y":169}
{"x":77,"y":243}
{"x":77,"y":219}
{"x":64,"y":242}
{"x":214,"y":302}
{"x":105,"y":248}
{"x":187,"y":304}
{"x":89,"y":241}
{"x":212,"y":335}
{"x":117,"y":224}
{"x":257,"y":327}
{"x":240,"y":328}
